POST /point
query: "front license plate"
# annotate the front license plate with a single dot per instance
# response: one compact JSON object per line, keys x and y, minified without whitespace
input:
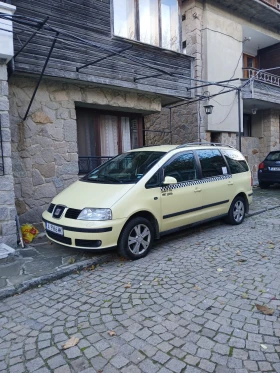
{"x":54,"y":228}
{"x":274,"y":168}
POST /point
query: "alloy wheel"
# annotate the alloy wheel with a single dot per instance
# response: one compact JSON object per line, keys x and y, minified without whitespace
{"x":139,"y":239}
{"x":238,"y":211}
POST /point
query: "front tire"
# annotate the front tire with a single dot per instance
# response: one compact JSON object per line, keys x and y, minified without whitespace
{"x":237,"y":211}
{"x":136,"y":239}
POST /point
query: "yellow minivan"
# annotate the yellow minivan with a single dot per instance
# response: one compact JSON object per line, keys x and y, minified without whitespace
{"x":145,"y":193}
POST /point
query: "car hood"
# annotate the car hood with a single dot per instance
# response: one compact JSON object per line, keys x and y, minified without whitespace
{"x":84,"y":194}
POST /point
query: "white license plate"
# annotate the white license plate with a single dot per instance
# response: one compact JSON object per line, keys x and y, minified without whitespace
{"x":54,"y":228}
{"x":274,"y":168}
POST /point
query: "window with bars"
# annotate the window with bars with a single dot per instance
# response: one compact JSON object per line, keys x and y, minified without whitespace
{"x":154,"y":22}
{"x":103,"y":135}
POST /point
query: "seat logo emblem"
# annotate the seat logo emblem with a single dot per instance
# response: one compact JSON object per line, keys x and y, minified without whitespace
{"x":57,"y":211}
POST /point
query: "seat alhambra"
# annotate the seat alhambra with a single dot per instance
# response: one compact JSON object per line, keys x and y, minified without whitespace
{"x":145,"y":193}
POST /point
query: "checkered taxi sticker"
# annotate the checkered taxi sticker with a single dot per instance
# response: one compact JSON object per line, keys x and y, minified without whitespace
{"x":194,"y":182}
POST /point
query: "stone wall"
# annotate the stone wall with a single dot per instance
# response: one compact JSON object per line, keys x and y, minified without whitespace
{"x":251,"y":150}
{"x":270,"y":139}
{"x":44,"y":146}
{"x":7,"y":194}
{"x":182,"y":129}
{"x":186,"y":124}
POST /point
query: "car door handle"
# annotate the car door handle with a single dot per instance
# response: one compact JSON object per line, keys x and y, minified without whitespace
{"x":230,"y":183}
{"x":197,"y":190}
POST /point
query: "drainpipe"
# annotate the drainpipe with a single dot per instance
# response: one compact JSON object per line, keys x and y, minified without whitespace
{"x":239,"y":118}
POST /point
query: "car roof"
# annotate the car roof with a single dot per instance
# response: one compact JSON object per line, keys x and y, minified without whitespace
{"x":190,"y":146}
{"x":156,"y":148}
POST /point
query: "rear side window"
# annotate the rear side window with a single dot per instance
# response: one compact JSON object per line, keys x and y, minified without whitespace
{"x":236,"y":161}
{"x":275,"y":156}
{"x":212,"y":163}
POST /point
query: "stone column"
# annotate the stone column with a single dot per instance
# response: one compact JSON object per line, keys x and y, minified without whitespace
{"x":7,"y":194}
{"x":271,"y":123}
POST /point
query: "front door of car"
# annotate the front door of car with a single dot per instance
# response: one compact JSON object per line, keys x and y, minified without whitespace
{"x":180,"y":202}
{"x":217,"y":186}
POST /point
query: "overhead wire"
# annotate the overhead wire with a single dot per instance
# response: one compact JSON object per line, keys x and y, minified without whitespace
{"x":89,"y":43}
{"x":65,"y":39}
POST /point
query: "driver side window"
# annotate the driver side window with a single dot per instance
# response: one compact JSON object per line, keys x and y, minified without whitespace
{"x":182,"y":168}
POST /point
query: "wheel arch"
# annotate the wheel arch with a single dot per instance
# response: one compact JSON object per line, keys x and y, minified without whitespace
{"x":147,"y":215}
{"x":244,"y":196}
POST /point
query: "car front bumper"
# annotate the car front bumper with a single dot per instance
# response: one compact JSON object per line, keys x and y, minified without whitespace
{"x":82,"y":234}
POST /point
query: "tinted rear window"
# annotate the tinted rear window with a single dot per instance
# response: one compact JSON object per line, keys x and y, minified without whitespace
{"x":275,"y":156}
{"x":212,"y":163}
{"x":236,"y":161}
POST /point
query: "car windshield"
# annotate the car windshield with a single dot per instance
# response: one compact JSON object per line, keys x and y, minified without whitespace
{"x":275,"y":156}
{"x":127,"y":168}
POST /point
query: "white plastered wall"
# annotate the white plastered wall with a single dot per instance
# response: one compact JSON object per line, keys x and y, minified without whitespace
{"x":222,"y":40}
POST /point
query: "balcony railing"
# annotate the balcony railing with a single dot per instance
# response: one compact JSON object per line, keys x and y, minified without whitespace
{"x":261,"y":76}
{"x":86,"y":164}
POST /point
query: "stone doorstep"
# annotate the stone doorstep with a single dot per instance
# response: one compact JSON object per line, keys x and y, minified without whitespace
{"x":6,"y":251}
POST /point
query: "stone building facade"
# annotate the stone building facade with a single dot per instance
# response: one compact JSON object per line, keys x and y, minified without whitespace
{"x":7,"y":194}
{"x":8,"y":234}
{"x":219,"y":39}
{"x":44,"y":146}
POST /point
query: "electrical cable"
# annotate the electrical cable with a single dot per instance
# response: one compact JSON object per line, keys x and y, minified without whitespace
{"x":137,"y":59}
{"x":232,"y":105}
{"x":88,"y":43}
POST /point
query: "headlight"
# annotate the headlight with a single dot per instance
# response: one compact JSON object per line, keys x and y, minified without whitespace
{"x":95,"y":214}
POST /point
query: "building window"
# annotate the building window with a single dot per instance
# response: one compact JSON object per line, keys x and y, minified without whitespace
{"x":278,"y":5}
{"x":103,"y":135}
{"x":250,"y":63}
{"x":154,"y":22}
{"x":124,"y":18}
{"x":247,"y":125}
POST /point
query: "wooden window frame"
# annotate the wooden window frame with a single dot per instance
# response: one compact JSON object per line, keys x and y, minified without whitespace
{"x":137,"y":26}
{"x":119,"y":114}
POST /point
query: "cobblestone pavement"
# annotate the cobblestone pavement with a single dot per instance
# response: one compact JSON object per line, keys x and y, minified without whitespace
{"x":41,"y":259}
{"x":265,"y":198}
{"x":189,"y":306}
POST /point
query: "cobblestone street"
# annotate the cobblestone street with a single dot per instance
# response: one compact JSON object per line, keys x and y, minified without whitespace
{"x":187,"y":307}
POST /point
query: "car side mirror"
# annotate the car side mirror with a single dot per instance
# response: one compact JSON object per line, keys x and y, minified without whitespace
{"x":169,"y":180}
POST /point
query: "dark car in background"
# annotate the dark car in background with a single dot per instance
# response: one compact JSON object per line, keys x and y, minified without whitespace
{"x":269,"y":170}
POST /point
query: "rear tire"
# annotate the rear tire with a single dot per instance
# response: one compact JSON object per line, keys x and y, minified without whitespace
{"x":264,"y":185}
{"x":136,"y":239}
{"x":237,"y":211}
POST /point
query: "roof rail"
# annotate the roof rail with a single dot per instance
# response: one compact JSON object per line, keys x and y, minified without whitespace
{"x":204,"y":143}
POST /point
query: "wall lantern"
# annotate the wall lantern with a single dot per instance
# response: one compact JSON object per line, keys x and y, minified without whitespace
{"x":254,"y":110}
{"x":208,"y":109}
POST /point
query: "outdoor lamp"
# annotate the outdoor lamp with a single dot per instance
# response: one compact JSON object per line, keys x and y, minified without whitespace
{"x":208,"y":109}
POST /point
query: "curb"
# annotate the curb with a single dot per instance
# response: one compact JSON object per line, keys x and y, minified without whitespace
{"x":262,"y":211}
{"x":35,"y":282}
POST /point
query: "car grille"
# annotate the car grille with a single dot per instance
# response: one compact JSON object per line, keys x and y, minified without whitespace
{"x":58,"y":211}
{"x":51,"y":207}
{"x":88,"y":243}
{"x":72,"y":213}
{"x":59,"y":238}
